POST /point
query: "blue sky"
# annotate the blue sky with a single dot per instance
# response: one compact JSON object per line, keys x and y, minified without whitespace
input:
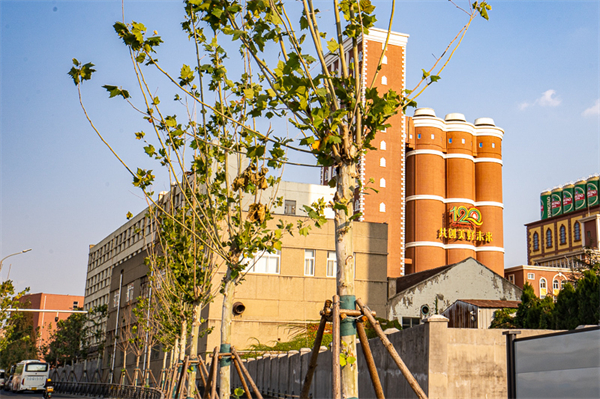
{"x":533,"y":68}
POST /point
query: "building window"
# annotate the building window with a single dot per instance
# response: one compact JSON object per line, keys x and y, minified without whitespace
{"x":383,"y":80}
{"x":129,"y":293}
{"x":75,"y":304}
{"x":536,"y":241}
{"x":463,"y":141}
{"x":555,"y":285}
{"x":419,"y":135}
{"x":450,"y":141}
{"x":563,"y":235}
{"x":382,"y":162}
{"x":382,"y":145}
{"x":577,"y":231}
{"x":562,"y":284}
{"x":511,"y":278}
{"x":331,"y":264}
{"x":530,"y":276}
{"x":264,"y":262}
{"x":309,"y":262}
{"x":116,"y":300}
{"x":480,"y":145}
{"x":290,"y":207}
{"x":548,"y":238}
{"x":543,"y":288}
{"x":432,"y":136}
{"x":382,"y":207}
{"x":382,"y":182}
{"x":384,"y":59}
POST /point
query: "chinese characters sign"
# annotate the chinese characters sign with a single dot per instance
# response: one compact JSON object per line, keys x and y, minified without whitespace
{"x":463,"y":226}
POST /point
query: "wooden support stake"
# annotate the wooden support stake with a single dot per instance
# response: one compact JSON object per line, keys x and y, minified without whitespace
{"x":183,"y":377}
{"x":364,"y":341}
{"x":242,"y":379}
{"x":247,"y":373}
{"x":312,"y":365}
{"x":392,"y":351}
{"x":208,"y":387}
{"x":203,"y":370}
{"x":213,"y":377}
{"x":336,"y":381}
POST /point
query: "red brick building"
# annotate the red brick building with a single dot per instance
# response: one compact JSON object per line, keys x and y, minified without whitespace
{"x":47,"y":321}
{"x":545,"y":280}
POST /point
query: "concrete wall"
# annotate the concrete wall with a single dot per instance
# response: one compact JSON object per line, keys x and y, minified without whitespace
{"x":447,"y":363}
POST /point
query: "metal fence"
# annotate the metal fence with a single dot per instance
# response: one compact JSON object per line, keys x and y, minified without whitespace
{"x":102,"y":390}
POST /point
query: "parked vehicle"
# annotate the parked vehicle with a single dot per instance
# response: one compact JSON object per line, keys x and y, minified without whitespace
{"x":30,"y":375}
{"x":2,"y":378}
{"x":8,"y":382}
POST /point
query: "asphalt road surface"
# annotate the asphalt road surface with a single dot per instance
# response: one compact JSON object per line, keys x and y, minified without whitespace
{"x":30,"y":395}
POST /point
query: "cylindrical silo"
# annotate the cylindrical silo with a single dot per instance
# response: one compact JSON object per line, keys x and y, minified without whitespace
{"x":425,"y":192}
{"x":580,"y":194}
{"x":592,"y":190}
{"x":460,"y":184}
{"x":488,"y":189}
{"x":556,"y":202}
{"x":568,"y":204}
{"x":546,"y":204}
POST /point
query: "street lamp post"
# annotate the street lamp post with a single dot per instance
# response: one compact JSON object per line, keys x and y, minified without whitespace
{"x":16,"y":253}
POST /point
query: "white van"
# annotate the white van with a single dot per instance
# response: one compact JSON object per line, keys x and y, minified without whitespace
{"x":30,"y":375}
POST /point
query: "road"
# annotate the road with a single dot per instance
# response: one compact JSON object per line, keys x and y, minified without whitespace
{"x":30,"y":395}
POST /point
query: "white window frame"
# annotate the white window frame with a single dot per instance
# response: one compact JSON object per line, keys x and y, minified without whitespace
{"x":331,"y":266}
{"x":511,"y":278}
{"x":530,"y":276}
{"x":261,"y":263}
{"x":129,"y":293}
{"x":309,"y":262}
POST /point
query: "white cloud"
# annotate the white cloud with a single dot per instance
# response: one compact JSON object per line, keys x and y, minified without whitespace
{"x":548,"y":99}
{"x":593,"y":110}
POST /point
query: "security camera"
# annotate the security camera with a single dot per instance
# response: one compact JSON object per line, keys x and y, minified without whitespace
{"x":56,"y":319}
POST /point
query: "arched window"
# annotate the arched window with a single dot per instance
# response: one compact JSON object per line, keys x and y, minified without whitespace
{"x":548,"y":238}
{"x":563,"y":235}
{"x":577,"y":231}
{"x":382,"y":182}
{"x":536,"y":241}
{"x":382,"y":162}
{"x":543,"y":288}
{"x":556,"y":285}
{"x":382,"y":207}
{"x":382,"y":145}
{"x":383,"y":80}
{"x":384,"y":60}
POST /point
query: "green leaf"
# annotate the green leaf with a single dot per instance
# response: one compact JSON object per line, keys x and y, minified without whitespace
{"x":115,"y":91}
{"x":434,"y":78}
{"x":342,"y":359}
{"x":333,"y":45}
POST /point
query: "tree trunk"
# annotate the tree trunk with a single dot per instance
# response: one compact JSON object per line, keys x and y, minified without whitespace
{"x":226,"y":319}
{"x":344,"y":246}
{"x":183,"y":340}
{"x":194,"y":349}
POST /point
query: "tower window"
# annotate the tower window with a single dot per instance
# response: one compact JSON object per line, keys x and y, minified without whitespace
{"x":382,"y":182}
{"x":382,"y":162}
{"x":493,"y":145}
{"x":383,"y":80}
{"x":563,"y":235}
{"x":536,"y":241}
{"x":548,"y":238}
{"x":382,"y":145}
{"x":463,"y":141}
{"x":419,"y":135}
{"x":480,"y":145}
{"x":577,"y":231}
{"x":450,"y":141}
{"x":382,"y":207}
{"x":432,"y":136}
{"x":384,"y":59}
